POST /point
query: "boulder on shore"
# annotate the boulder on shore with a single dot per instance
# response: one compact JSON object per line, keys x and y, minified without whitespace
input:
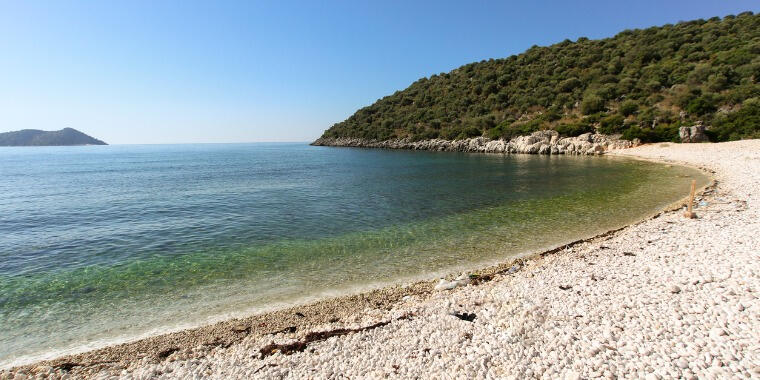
{"x":693,"y":134}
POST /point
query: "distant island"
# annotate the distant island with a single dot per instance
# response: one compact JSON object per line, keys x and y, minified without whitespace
{"x":642,"y":84}
{"x":36,"y":137}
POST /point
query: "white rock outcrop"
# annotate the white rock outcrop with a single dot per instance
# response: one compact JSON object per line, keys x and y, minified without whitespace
{"x":540,"y":142}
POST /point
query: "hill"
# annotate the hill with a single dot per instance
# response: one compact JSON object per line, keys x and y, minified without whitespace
{"x":36,"y":137}
{"x":640,"y":83}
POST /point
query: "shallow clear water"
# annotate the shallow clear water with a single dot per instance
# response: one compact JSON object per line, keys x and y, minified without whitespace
{"x":106,"y":243}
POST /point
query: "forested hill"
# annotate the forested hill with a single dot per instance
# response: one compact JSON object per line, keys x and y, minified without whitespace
{"x":641,"y":83}
{"x":36,"y":137}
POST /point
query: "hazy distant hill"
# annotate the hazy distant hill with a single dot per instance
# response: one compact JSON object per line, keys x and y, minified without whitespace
{"x":642,"y":83}
{"x":36,"y":137}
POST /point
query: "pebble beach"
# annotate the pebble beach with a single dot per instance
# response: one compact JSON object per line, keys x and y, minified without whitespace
{"x":668,"y":297}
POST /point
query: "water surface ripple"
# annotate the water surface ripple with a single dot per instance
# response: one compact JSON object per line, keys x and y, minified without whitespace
{"x":112,"y":242}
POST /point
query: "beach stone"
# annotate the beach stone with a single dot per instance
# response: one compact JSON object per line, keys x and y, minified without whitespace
{"x":717,"y":333}
{"x":445,"y":285}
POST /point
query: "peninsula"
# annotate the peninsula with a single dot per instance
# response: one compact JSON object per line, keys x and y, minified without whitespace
{"x":36,"y":137}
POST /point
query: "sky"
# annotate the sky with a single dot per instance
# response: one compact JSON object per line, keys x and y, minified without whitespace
{"x":152,"y":72}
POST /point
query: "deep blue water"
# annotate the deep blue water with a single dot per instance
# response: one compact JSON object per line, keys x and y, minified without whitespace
{"x":105,"y":243}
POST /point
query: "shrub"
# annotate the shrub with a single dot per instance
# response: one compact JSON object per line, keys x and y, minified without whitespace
{"x":451,"y":133}
{"x":429,"y":134}
{"x":611,"y":124}
{"x":592,"y":104}
{"x":607,"y":92}
{"x":593,"y":118}
{"x":508,"y":131}
{"x":637,"y":133}
{"x":471,"y":132}
{"x":741,"y":124}
{"x":701,"y":105}
{"x":484,"y":122}
{"x":569,"y":84}
{"x":628,"y":107}
{"x":683,"y":95}
{"x":662,"y":133}
{"x":551,"y":115}
{"x":646,"y":116}
{"x":459,"y":133}
{"x":574,"y":129}
{"x":666,"y":132}
{"x":494,"y":133}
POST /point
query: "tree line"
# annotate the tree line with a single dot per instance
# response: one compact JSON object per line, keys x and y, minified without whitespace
{"x":642,"y":83}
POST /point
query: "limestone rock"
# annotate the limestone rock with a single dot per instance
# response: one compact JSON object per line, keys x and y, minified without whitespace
{"x":540,"y":142}
{"x":693,"y":134}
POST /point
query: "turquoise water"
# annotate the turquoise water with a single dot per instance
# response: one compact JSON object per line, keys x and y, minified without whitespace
{"x":107,"y":243}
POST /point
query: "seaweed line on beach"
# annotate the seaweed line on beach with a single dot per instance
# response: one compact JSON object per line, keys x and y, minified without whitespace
{"x":315,"y":336}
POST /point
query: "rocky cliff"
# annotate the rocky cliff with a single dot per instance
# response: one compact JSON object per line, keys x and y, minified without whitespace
{"x":540,"y":142}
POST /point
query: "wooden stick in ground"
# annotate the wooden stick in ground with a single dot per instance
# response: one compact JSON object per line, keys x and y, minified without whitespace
{"x":689,"y":213}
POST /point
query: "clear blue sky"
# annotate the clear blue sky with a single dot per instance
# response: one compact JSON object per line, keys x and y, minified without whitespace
{"x":240,"y":71}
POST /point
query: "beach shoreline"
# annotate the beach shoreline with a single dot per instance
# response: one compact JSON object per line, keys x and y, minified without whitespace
{"x":357,"y":312}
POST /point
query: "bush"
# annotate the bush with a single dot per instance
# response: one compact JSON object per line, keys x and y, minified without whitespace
{"x":646,"y":116}
{"x":593,"y":118}
{"x":637,"y":133}
{"x":666,"y":133}
{"x":451,"y":133}
{"x":607,"y":92}
{"x":508,"y":131}
{"x":429,"y":134}
{"x":702,"y":105}
{"x":592,"y":104}
{"x":459,"y":133}
{"x":574,"y":129}
{"x":611,"y":124}
{"x":682,"y":95}
{"x":551,"y":115}
{"x":659,"y":134}
{"x":742,"y":124}
{"x":569,"y":84}
{"x":628,"y":108}
{"x":471,"y":132}
{"x":485,"y":122}
{"x":494,"y":133}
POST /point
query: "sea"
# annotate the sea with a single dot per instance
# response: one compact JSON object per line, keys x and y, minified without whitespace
{"x":107,"y":244}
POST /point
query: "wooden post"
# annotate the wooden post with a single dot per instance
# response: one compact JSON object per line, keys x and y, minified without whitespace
{"x":689,"y":213}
